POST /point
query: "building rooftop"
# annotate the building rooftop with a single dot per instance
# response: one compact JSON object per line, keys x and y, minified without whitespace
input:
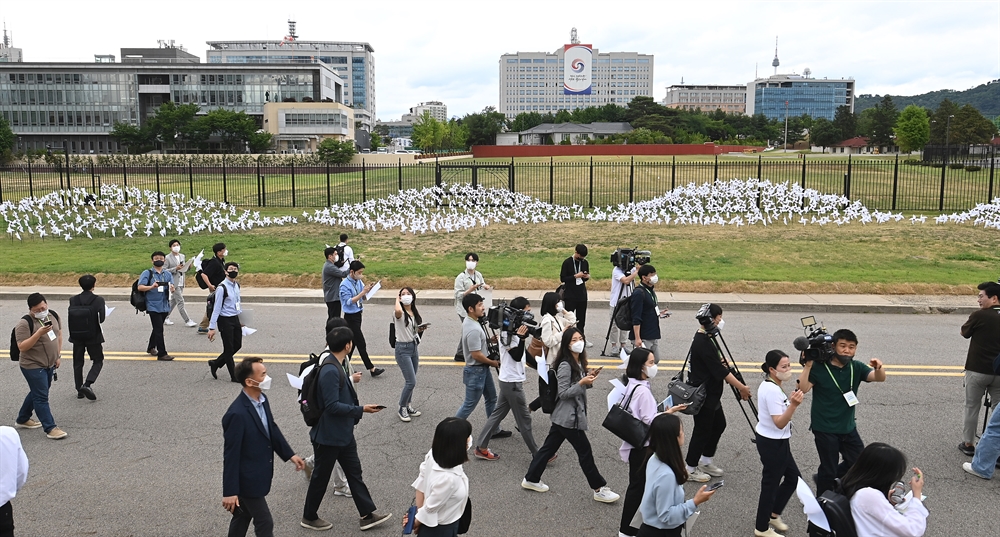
{"x":343,"y":46}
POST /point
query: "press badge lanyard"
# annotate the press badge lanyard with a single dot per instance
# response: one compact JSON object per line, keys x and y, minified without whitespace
{"x":850,"y":397}
{"x":656,"y":305}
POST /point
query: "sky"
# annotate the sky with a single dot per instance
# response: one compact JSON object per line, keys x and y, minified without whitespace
{"x":440,"y":50}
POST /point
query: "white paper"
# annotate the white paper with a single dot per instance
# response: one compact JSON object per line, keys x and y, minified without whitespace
{"x":689,"y":523}
{"x":107,"y":311}
{"x":294,"y":381}
{"x":375,"y":288}
{"x":624,"y":356}
{"x":543,"y":367}
{"x":197,"y":260}
{"x":487,"y":298}
{"x":810,"y":506}
{"x":616,"y":393}
{"x":247,"y":330}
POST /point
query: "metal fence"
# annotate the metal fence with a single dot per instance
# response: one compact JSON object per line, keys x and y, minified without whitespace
{"x":959,"y":183}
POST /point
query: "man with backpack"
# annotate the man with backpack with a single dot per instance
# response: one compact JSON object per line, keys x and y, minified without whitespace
{"x":621,"y":290}
{"x":212,"y":273}
{"x":334,"y":271}
{"x":225,"y":317}
{"x":36,"y":343}
{"x":157,"y":284}
{"x":646,"y":312}
{"x":84,"y":317}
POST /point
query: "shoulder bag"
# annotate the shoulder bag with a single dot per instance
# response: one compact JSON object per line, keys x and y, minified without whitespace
{"x":624,"y":425}
{"x":684,"y":393}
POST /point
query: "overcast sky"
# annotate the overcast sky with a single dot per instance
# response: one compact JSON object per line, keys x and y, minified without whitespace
{"x":450,"y":50}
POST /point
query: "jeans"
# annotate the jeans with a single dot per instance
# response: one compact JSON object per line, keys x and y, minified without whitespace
{"x":830,"y":446}
{"x":252,"y":509}
{"x":634,"y":492}
{"x":354,"y":322}
{"x":976,"y":384}
{"x":332,"y":309}
{"x":326,"y":456}
{"x":776,"y":457}
{"x":577,"y":439}
{"x":156,"y":336}
{"x":96,"y":351}
{"x":988,"y":450}
{"x":37,"y":400}
{"x":709,"y":424}
{"x":231,"y":334}
{"x":478,"y":383}
{"x":407,"y":358}
{"x":177,"y":301}
{"x":511,"y":399}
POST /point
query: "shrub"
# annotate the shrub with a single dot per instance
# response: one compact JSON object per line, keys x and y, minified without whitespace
{"x":971,"y":168}
{"x":956,"y":165}
{"x":937,"y":165}
{"x":913,"y":162}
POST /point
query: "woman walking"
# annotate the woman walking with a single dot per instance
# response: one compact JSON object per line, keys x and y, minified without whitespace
{"x":780,"y":475}
{"x":569,"y":418}
{"x":408,"y":326}
{"x":442,"y":488}
{"x":555,"y":320}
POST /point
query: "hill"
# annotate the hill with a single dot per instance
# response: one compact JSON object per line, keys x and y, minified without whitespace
{"x":985,"y":98}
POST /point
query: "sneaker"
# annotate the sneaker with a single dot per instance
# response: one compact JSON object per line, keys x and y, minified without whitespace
{"x":412,"y":411}
{"x":699,"y":476}
{"x":404,"y":415}
{"x":307,"y":472}
{"x":344,"y":491}
{"x":190,"y":323}
{"x":485,"y":454}
{"x":537,"y":487}
{"x":711,"y":470}
{"x":30,"y":424}
{"x":151,"y":351}
{"x":372,"y":520}
{"x":966,"y":449}
{"x":319,"y":524}
{"x":165,"y":358}
{"x":768,"y":533}
{"x":588,"y":344}
{"x":967,"y":466}
{"x":168,"y":322}
{"x":377,"y":371}
{"x":502,"y":434}
{"x":205,"y":331}
{"x":604,"y":495}
{"x":778,"y":524}
{"x":56,"y":433}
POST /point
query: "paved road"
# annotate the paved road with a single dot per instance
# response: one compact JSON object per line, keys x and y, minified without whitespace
{"x":145,"y":459}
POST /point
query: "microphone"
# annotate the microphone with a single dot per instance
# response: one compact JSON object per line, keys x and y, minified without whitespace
{"x":800,"y":343}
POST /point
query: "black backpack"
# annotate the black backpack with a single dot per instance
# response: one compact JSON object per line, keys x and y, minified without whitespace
{"x":548,"y":392}
{"x":623,"y":313}
{"x":15,"y":353}
{"x":310,"y":398}
{"x":83,"y":322}
{"x":340,"y":256}
{"x":837,"y":509}
{"x":210,"y":301}
{"x":138,"y":298}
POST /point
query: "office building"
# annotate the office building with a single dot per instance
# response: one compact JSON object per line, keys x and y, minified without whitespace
{"x":437,"y":110}
{"x":803,"y":95}
{"x":300,"y":127}
{"x":707,"y":98}
{"x":544,"y":82}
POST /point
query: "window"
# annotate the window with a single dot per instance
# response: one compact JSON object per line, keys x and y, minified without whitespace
{"x":511,"y":60}
{"x":525,"y":60}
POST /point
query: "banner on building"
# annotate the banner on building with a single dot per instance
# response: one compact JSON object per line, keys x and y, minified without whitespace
{"x":577,"y":69}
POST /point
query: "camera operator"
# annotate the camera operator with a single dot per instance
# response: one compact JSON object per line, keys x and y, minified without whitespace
{"x":836,"y":382}
{"x":983,"y":332}
{"x":621,"y":289}
{"x":476,"y":374}
{"x":646,"y":313}
{"x":511,"y":398}
{"x":709,"y":367}
{"x":574,"y":275}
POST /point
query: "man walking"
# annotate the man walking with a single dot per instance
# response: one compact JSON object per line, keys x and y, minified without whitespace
{"x":174,"y":264}
{"x":983,"y":332}
{"x":646,"y":312}
{"x":213,"y":272}
{"x":334,"y":272}
{"x":352,"y":295}
{"x":157,"y":284}
{"x":39,"y":341}
{"x":574,"y":275}
{"x":226,"y":319}
{"x":476,"y":374}
{"x":85,"y":314}
{"x":252,"y":438}
{"x":467,"y":282}
{"x":333,"y":436}
{"x":13,"y":475}
{"x":621,"y":290}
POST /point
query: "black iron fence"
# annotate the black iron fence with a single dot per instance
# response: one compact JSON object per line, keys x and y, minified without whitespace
{"x":961,"y":182}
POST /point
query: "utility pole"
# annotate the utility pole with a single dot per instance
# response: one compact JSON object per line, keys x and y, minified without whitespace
{"x":785,"y":146}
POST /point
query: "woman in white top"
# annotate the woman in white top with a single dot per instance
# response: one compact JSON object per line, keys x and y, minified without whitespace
{"x":442,"y":486}
{"x":774,"y":428}
{"x":408,"y":323}
{"x":878,"y":502}
{"x":555,"y":320}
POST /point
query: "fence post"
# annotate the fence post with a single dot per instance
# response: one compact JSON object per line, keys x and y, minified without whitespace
{"x":190,"y":179}
{"x":257,"y":179}
{"x":716,"y":169}
{"x":759,"y":166}
{"x":400,"y":168}
{"x":591,"y":182}
{"x":31,"y":186}
{"x":895,"y":181}
{"x":437,"y":173}
{"x":944,"y":170}
{"x":475,"y":174}
{"x":803,"y":171}
{"x":847,"y":177}
{"x":631,"y":180}
{"x":673,"y":172}
{"x":510,"y":176}
{"x":993,"y":165}
{"x":364,"y":182}
{"x":225,"y":188}
{"x":293,"y":183}
{"x":156,"y":171}
{"x":328,"y":183}
{"x":125,"y":180}
{"x":93,"y":178}
{"x":552,"y":180}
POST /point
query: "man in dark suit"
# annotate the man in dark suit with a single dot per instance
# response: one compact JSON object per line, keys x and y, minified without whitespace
{"x":251,"y":440}
{"x":85,"y":315}
{"x":333,"y":436}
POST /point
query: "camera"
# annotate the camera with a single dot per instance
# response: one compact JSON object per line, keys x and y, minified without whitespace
{"x":816,"y":345}
{"x":507,"y":319}
{"x":706,"y":320}
{"x":627,"y":258}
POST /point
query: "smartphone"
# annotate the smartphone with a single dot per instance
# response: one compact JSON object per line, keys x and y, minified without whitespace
{"x":411,"y":515}
{"x":379,"y":407}
{"x":597,"y":371}
{"x":716,"y":486}
{"x":424,"y":325}
{"x":47,"y":323}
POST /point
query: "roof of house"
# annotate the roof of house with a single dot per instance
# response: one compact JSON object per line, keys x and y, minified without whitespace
{"x":857,"y":141}
{"x":578,"y":128}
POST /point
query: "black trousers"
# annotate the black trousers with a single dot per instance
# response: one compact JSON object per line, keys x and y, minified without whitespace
{"x":252,"y":509}
{"x":778,"y":479}
{"x":709,"y":424}
{"x":354,"y":322}
{"x":231,"y":334}
{"x":650,"y":531}
{"x":96,"y":351}
{"x":830,"y":447}
{"x":577,"y":439}
{"x":332,"y":309}
{"x":156,"y":337}
{"x":578,"y":305}
{"x":446,"y":530}
{"x":6,"y":520}
{"x":348,"y":458}
{"x":636,"y":486}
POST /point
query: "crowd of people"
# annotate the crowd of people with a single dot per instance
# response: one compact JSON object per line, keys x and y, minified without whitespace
{"x":655,"y":503}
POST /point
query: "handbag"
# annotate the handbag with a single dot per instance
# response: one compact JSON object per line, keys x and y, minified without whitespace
{"x":624,"y":425}
{"x":535,"y":347}
{"x":684,"y":393}
{"x":392,"y":334}
{"x":466,"y":520}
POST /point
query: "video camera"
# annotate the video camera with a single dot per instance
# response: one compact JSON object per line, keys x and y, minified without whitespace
{"x":706,"y":320}
{"x":507,"y":319}
{"x":627,"y":258}
{"x":816,"y":345}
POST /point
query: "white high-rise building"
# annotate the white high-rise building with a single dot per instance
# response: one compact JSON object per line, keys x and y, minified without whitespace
{"x":437,"y":109}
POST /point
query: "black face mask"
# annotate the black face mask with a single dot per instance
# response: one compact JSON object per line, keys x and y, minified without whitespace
{"x":158,"y":263}
{"x":233,"y":274}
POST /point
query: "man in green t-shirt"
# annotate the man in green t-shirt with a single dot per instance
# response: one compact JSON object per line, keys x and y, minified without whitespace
{"x":836,"y":383}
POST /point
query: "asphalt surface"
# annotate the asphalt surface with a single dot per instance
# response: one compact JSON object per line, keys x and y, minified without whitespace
{"x":145,"y":459}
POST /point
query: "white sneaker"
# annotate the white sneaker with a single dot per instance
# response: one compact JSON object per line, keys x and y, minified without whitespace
{"x":588,"y":345}
{"x":190,"y":323}
{"x":412,"y":411}
{"x":537,"y":487}
{"x":967,"y":466}
{"x":344,"y":491}
{"x":167,"y":321}
{"x":769,"y":533}
{"x":778,"y":524}
{"x":404,"y":414}
{"x":699,"y":476}
{"x":711,"y":470}
{"x":604,"y":495}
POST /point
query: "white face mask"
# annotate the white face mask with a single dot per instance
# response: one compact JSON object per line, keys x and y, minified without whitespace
{"x":722,"y":324}
{"x":560,"y":307}
{"x":225,"y":253}
{"x":651,"y":370}
{"x":576,"y":347}
{"x":175,"y":249}
{"x":653,"y":279}
{"x":470,"y":265}
{"x":468,"y":444}
{"x":42,"y":314}
{"x":265,"y":384}
{"x":406,"y":300}
{"x":783,"y":376}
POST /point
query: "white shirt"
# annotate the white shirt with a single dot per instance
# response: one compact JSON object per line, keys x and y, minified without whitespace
{"x":13,"y":464}
{"x":511,"y":370}
{"x":616,"y":286}
{"x":874,"y":516}
{"x":771,"y":401}
{"x":445,"y":492}
{"x":348,"y":253}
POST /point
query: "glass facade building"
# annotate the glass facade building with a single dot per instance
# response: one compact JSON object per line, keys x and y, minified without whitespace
{"x":816,"y":97}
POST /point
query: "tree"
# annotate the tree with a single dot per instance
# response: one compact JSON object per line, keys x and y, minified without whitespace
{"x":260,"y":141}
{"x":939,"y":122}
{"x":913,"y":129}
{"x":824,"y":133}
{"x":845,"y":122}
{"x":176,"y":125}
{"x":235,"y":128}
{"x":7,"y":139}
{"x":525,"y":121}
{"x":970,"y":127}
{"x":485,"y":126}
{"x":132,"y":137}
{"x":883,"y":122}
{"x":333,"y":151}
{"x":428,"y":133}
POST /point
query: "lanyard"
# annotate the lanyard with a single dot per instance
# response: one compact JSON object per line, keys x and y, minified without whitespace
{"x":577,"y":266}
{"x":835,"y":380}
{"x":651,"y":295}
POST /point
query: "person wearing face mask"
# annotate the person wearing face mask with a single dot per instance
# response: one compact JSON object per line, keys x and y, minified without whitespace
{"x":158,"y":284}
{"x":780,"y":475}
{"x":174,"y":264}
{"x":442,"y":488}
{"x":879,"y":505}
{"x":251,"y":439}
{"x":226,"y":319}
{"x":555,"y":320}
{"x":646,"y":313}
{"x":574,"y":274}
{"x":836,"y":384}
{"x":334,"y":273}
{"x":39,"y":339}
{"x":409,"y":327}
{"x":467,"y":282}
{"x":352,"y":296}
{"x":213,"y":272}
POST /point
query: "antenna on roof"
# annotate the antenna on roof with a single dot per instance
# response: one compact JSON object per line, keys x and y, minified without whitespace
{"x":775,"y":62}
{"x":573,"y":38}
{"x":291,"y":30}
{"x":6,"y":40}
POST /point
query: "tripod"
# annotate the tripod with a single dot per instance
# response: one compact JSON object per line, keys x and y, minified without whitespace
{"x":618,"y":304}
{"x":715,"y":337}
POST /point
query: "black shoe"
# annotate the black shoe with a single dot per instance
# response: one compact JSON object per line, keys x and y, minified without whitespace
{"x":165,"y":358}
{"x":967,"y":449}
{"x":502,"y":434}
{"x":87,"y":392}
{"x":233,"y":379}
{"x":151,"y":351}
{"x":79,"y":394}
{"x":214,"y":368}
{"x":377,"y":371}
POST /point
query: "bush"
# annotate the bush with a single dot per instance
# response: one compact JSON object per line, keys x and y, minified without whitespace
{"x":973,"y":168}
{"x":913,"y":162}
{"x":937,"y":165}
{"x":956,"y":165}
